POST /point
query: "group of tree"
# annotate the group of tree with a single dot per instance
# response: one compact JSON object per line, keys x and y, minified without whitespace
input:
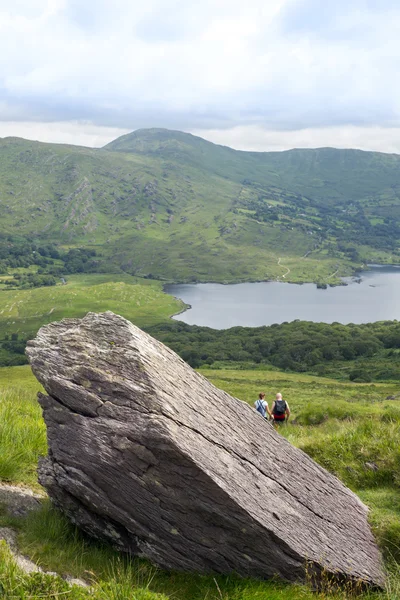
{"x":30,"y":280}
{"x":51,"y":261}
{"x":352,"y":223}
{"x":17,"y":252}
{"x":297,"y":346}
{"x":77,"y":260}
{"x":12,"y":351}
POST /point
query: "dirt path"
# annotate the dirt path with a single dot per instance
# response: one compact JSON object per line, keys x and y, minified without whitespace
{"x":283,"y":266}
{"x":333,"y":274}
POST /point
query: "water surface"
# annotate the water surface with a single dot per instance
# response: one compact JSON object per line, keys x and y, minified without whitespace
{"x":375,"y":298}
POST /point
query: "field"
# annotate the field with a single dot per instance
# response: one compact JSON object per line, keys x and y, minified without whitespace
{"x":351,"y":429}
{"x":140,"y":300}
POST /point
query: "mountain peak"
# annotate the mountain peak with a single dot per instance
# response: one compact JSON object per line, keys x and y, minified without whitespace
{"x":154,"y":140}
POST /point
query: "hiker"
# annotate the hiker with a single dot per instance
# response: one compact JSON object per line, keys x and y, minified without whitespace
{"x":280,"y":410}
{"x":261,"y":406}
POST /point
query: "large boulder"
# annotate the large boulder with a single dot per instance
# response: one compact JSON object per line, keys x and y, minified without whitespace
{"x":146,"y":453}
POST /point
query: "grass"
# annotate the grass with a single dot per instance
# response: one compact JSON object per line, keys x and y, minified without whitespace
{"x":22,"y":431}
{"x":124,"y":581}
{"x":49,"y":538}
{"x":355,"y":429}
{"x":15,"y":584}
{"x":140,"y":301}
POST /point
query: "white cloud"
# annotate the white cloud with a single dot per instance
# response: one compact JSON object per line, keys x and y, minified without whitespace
{"x":280,"y":65}
{"x":257,"y":139}
{"x":78,"y":134}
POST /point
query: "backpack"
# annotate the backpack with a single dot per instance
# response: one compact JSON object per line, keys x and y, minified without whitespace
{"x":280,"y":407}
{"x":260,"y":407}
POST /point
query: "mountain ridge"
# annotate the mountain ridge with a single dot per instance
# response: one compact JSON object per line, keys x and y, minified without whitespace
{"x":109,"y":146}
{"x":171,"y":205}
{"x":161,"y":130}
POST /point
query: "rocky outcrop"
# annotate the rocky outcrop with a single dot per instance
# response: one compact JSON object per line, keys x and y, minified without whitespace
{"x":16,"y":501}
{"x":149,"y":455}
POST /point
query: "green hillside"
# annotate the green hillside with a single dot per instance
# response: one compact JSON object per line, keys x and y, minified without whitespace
{"x":170,"y":205}
{"x":324,"y":172}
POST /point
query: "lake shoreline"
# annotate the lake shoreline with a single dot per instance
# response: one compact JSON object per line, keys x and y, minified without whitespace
{"x":356,"y":272}
{"x":263,"y":303}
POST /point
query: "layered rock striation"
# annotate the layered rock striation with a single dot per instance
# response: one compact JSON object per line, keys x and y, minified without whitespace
{"x":146,"y":453}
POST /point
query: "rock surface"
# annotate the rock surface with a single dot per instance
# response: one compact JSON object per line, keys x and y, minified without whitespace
{"x":18,"y":502}
{"x":149,"y":455}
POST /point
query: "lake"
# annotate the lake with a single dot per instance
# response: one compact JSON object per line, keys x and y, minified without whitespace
{"x":375,"y":298}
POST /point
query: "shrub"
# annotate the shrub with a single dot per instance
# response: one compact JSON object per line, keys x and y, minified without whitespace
{"x":359,"y":376}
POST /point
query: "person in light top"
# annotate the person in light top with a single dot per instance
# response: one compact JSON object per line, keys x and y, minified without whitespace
{"x":261,"y":406}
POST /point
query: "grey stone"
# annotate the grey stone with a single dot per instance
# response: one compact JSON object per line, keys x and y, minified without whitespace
{"x":146,"y":453}
{"x":18,"y":501}
{"x":371,"y":466}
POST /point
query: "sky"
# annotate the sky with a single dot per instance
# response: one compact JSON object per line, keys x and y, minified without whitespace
{"x":256,"y":75}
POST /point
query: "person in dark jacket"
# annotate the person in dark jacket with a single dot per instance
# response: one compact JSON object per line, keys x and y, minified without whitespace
{"x":280,"y":410}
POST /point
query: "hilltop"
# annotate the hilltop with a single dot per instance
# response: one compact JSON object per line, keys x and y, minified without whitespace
{"x":171,"y":205}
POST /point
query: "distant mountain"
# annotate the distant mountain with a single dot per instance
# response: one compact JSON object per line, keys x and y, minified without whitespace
{"x":169,"y":204}
{"x":324,"y":171}
{"x":150,"y":141}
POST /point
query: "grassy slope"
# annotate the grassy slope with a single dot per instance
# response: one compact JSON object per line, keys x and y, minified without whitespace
{"x":173,"y":205}
{"x":141,"y":301}
{"x":355,"y":425}
{"x":22,"y":434}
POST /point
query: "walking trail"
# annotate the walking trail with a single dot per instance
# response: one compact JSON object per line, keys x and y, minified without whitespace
{"x":287,"y":268}
{"x":333,"y":274}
